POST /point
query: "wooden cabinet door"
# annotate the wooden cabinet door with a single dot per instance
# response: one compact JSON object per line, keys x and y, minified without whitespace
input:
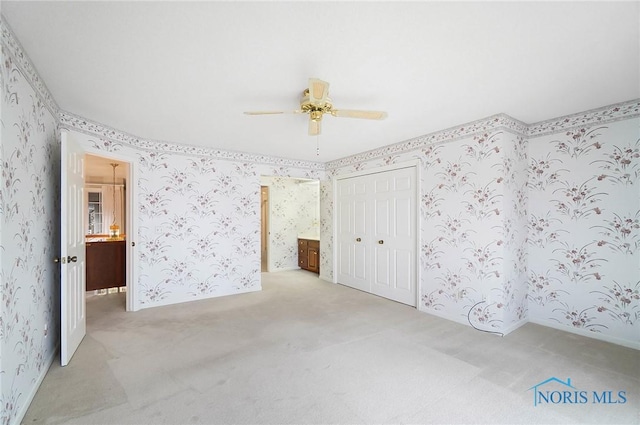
{"x":106,"y":265}
{"x":313,"y":263}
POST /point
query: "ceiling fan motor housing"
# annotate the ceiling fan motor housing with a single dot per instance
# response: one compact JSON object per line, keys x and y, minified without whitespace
{"x":315,"y":110}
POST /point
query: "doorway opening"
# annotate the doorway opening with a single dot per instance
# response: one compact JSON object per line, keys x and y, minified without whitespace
{"x":106,"y":218}
{"x":292,"y":212}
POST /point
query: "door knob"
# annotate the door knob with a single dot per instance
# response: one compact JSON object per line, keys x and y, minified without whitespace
{"x":358,"y":240}
{"x":72,"y":259}
{"x":380,"y":241}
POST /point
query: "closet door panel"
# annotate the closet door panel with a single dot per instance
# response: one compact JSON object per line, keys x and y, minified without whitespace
{"x":353,"y":229}
{"x":403,"y":272}
{"x":395,"y":236}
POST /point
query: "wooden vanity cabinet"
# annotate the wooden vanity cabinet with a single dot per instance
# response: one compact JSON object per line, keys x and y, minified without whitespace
{"x":106,"y":265}
{"x":309,"y":255}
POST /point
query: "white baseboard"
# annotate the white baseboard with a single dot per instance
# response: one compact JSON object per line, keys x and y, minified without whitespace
{"x":595,"y":335}
{"x":326,"y":278}
{"x":515,"y":326}
{"x":34,"y":389}
{"x":284,"y":269}
{"x":187,"y":298}
{"x":461,"y":320}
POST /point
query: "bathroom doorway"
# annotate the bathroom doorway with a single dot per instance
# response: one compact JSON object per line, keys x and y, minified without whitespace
{"x":106,"y":199}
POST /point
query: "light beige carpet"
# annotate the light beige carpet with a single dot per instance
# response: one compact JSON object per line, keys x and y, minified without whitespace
{"x":307,"y":351}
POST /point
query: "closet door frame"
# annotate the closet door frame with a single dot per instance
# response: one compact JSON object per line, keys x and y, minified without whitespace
{"x":400,"y":165}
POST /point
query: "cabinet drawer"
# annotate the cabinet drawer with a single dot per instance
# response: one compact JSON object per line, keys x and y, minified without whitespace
{"x":303,"y":263}
{"x":302,"y":243}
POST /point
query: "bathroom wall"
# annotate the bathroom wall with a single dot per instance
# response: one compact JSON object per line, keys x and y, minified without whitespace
{"x":99,"y":177}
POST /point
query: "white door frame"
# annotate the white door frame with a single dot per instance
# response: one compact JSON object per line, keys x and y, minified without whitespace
{"x":405,"y":164}
{"x":131,"y":224}
{"x":268,"y":226}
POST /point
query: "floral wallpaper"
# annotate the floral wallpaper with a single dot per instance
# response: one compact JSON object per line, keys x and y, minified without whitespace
{"x":526,"y":223}
{"x":326,"y":230}
{"x":309,"y":212}
{"x":29,"y":239}
{"x":584,"y":229}
{"x":295,"y":210}
{"x":472,"y":227}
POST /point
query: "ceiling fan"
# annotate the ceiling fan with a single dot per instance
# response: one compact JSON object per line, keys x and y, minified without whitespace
{"x":315,"y":102}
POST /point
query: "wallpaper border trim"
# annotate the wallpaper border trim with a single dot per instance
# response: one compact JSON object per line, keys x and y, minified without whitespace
{"x":92,"y":128}
{"x":494,"y":122}
{"x":606,"y":114}
{"x":22,"y":60}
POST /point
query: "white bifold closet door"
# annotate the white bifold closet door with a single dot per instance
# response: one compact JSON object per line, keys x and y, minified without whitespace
{"x":377,"y":233}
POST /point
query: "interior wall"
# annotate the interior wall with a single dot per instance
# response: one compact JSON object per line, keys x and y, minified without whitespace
{"x":309,"y":211}
{"x":326,"y":229}
{"x":29,"y":238}
{"x":294,"y":207}
{"x":584,"y":229}
{"x":468,"y":225}
{"x":514,"y":171}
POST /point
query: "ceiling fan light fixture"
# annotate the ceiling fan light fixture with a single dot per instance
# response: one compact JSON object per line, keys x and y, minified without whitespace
{"x":316,"y":115}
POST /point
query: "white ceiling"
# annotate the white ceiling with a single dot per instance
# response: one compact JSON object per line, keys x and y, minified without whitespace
{"x":185,"y":72}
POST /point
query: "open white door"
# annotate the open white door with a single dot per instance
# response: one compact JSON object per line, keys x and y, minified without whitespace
{"x":73,"y":321}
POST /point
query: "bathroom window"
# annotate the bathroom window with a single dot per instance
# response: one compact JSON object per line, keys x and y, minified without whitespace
{"x":95,"y":213}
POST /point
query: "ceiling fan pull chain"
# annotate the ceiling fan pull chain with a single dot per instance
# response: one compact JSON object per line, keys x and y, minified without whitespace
{"x":317,"y":145}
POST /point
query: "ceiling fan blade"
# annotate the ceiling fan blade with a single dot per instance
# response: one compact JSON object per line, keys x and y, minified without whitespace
{"x":318,"y":90}
{"x":367,"y":115}
{"x":314,"y":127}
{"x":273,"y":112}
